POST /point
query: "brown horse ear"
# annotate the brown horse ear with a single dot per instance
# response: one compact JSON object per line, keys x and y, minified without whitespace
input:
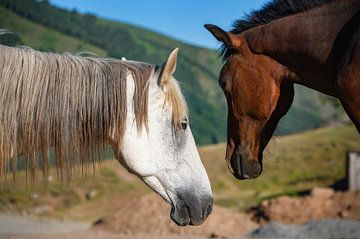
{"x":229,"y":39}
{"x":168,"y":68}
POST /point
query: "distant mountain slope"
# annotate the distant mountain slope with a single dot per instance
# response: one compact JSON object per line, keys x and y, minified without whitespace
{"x":42,"y":38}
{"x":42,"y":26}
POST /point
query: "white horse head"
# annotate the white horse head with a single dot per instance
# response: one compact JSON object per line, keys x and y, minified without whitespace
{"x":164,"y":155}
{"x":76,"y":104}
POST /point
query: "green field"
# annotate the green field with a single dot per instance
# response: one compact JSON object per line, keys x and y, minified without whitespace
{"x":292,"y":164}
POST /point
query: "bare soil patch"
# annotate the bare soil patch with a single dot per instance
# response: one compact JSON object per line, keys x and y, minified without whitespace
{"x":150,"y":215}
{"x":321,"y":203}
{"x":147,"y":217}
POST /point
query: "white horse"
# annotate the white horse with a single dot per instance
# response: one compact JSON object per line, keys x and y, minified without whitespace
{"x":75,"y":104}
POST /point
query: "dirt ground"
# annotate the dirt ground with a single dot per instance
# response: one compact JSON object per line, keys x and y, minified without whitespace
{"x":147,"y":217}
{"x":151,"y":214}
{"x":321,"y":203}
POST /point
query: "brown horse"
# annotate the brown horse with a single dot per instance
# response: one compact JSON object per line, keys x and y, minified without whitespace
{"x":315,"y":43}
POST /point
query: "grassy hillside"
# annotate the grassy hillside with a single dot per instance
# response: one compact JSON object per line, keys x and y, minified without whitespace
{"x":42,"y":38}
{"x":291,"y":164}
{"x":43,"y":26}
{"x":310,"y":110}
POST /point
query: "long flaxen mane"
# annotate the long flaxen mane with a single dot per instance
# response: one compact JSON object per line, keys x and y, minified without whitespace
{"x":271,"y":11}
{"x":68,"y":103}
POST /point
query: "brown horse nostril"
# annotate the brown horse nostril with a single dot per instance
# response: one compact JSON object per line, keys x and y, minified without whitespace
{"x":252,"y":169}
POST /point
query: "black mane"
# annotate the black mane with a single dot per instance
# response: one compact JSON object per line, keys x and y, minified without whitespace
{"x":271,"y":11}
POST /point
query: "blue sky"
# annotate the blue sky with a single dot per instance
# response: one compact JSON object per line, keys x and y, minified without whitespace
{"x":181,"y":19}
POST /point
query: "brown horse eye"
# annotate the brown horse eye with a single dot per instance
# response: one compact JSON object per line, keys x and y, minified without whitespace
{"x":222,"y":83}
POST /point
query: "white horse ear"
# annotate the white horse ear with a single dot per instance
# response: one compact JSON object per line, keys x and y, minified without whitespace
{"x":168,"y":68}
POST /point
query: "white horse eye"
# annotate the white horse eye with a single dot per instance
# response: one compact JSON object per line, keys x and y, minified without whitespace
{"x":184,"y":124}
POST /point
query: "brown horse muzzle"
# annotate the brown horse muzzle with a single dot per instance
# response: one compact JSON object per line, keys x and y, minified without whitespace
{"x":243,"y":168}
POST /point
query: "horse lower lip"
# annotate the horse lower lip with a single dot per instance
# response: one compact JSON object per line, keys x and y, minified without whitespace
{"x":178,"y":217}
{"x":184,"y":220}
{"x":236,"y":166}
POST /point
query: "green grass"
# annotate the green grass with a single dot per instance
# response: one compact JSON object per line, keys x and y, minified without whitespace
{"x":70,"y":200}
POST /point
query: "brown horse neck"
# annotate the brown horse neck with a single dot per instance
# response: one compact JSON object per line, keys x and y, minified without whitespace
{"x":308,"y":44}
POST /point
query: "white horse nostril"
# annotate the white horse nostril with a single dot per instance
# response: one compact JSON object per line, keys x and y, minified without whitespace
{"x":180,"y":214}
{"x":208,"y":208}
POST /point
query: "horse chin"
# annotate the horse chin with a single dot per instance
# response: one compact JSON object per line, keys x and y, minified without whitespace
{"x":179,"y":213}
{"x":154,"y":183}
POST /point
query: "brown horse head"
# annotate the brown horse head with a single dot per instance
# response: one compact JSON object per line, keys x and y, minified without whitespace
{"x":252,"y":84}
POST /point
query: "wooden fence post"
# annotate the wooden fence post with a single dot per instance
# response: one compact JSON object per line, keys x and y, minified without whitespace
{"x":353,"y":170}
